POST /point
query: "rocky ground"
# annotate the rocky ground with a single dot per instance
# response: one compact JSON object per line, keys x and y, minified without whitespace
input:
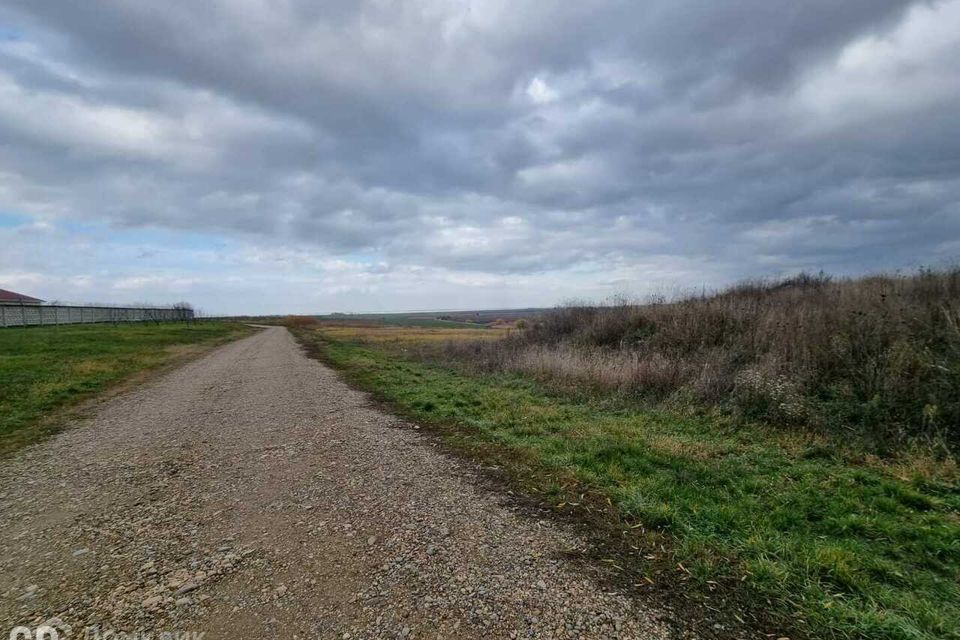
{"x":252,"y":494}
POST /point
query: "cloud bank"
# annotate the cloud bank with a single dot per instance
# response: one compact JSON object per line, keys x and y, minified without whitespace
{"x":367,"y":155}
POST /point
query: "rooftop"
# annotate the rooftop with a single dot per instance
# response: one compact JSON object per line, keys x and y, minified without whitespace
{"x":13,"y":296}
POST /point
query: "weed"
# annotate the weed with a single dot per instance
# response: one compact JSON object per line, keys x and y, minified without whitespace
{"x":827,"y":542}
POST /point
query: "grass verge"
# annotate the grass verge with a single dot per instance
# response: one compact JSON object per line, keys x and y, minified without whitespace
{"x":46,"y":369}
{"x":806,"y":541}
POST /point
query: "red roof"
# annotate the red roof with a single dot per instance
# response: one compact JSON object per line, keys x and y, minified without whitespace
{"x":12,"y":296}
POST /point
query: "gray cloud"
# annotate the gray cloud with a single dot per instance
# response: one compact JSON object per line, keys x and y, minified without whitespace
{"x":493,"y":138}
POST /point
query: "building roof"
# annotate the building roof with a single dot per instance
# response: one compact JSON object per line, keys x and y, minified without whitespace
{"x":12,"y":296}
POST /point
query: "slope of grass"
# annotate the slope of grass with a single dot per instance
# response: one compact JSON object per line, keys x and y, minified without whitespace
{"x":877,"y":358}
{"x":43,"y":369}
{"x":828,"y":547}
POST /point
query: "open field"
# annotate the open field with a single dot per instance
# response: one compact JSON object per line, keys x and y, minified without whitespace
{"x":410,"y":335}
{"x":479,"y":319}
{"x":387,"y":320}
{"x":780,"y":528}
{"x":438,"y":318}
{"x":44,"y":369}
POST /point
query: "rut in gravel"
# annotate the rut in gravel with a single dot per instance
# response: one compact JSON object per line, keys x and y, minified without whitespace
{"x":253,"y":494}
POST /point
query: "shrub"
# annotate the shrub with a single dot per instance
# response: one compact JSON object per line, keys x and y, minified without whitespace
{"x":879,"y":355}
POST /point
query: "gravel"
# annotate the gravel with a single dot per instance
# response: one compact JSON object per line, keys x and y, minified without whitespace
{"x":253,"y":494}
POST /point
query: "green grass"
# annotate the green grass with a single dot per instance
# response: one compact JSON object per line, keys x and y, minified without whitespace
{"x":44,"y":369}
{"x":828,"y":547}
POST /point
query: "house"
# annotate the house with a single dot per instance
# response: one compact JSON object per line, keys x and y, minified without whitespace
{"x":13,"y":298}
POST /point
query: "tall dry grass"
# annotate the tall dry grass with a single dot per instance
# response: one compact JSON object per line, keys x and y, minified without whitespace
{"x":877,"y":356}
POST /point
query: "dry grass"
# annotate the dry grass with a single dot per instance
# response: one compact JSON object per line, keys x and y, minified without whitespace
{"x":405,"y":336}
{"x":822,"y":530}
{"x":878,"y":356}
{"x":829,"y":545}
{"x":300,"y":322}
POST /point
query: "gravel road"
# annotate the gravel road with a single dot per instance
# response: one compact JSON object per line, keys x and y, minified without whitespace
{"x":252,"y":494}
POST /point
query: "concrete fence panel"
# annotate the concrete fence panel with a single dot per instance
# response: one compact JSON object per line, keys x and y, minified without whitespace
{"x":41,"y":315}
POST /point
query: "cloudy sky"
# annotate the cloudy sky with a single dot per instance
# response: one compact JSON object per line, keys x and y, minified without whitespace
{"x":368,"y":155}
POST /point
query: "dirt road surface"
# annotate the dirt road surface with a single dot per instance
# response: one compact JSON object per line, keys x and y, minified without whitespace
{"x":252,"y":494}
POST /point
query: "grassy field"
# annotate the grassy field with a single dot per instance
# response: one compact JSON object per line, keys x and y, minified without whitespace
{"x":393,"y":320}
{"x":44,"y":369}
{"x":775,"y":527}
{"x":413,"y":335}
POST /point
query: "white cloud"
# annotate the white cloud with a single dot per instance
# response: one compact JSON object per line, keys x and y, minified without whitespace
{"x":912,"y":66}
{"x":540,"y":92}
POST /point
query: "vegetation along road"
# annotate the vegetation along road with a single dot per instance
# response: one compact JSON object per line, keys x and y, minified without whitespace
{"x":777,"y":459}
{"x":47,"y":371}
{"x":253,"y":494}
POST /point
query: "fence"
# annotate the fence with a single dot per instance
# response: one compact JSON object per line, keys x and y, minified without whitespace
{"x":30,"y":315}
